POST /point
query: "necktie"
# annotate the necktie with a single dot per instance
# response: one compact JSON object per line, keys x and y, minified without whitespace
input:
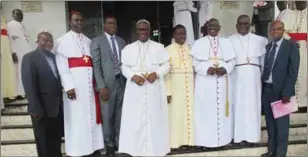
{"x":269,"y":63}
{"x":51,"y":62}
{"x":115,"y":57}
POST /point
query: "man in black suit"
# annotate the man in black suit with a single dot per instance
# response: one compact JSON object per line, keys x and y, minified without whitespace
{"x":43,"y":88}
{"x":106,"y":55}
{"x":281,"y":64}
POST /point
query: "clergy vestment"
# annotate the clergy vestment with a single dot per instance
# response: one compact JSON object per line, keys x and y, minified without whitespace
{"x":297,"y":30}
{"x":180,"y":85}
{"x":82,"y":119}
{"x":144,"y":127}
{"x":246,"y":77}
{"x":8,"y":76}
{"x":21,"y":44}
{"x":284,"y":14}
{"x":213,"y":104}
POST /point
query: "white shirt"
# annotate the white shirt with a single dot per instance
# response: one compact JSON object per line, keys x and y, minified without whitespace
{"x":115,"y":42}
{"x":270,"y":80}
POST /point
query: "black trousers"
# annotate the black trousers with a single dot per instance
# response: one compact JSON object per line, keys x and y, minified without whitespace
{"x":48,"y":132}
{"x":277,"y":129}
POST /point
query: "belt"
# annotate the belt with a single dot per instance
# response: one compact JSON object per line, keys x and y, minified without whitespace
{"x":248,"y":64}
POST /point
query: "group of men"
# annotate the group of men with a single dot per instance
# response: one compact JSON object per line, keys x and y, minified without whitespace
{"x":143,"y":99}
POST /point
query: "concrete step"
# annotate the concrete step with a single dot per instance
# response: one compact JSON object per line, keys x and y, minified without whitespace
{"x":294,"y":149}
{"x":23,"y":118}
{"x":26,"y":134}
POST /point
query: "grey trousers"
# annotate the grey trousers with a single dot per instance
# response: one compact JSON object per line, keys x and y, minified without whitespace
{"x":277,"y":129}
{"x":112,"y":112}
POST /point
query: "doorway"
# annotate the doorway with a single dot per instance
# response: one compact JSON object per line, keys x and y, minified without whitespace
{"x":158,"y":13}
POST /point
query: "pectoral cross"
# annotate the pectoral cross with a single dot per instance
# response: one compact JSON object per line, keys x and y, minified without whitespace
{"x":216,"y":61}
{"x":248,"y":60}
{"x":86,"y":59}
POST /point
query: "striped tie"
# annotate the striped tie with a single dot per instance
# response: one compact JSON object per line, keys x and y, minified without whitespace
{"x":115,"y":57}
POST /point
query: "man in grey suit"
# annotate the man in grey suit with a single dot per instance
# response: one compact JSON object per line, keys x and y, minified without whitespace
{"x":43,"y":88}
{"x":281,"y":64}
{"x":106,"y":55}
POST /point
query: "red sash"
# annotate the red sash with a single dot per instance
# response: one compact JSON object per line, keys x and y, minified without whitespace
{"x":80,"y":62}
{"x":298,"y":36}
{"x":4,"y":32}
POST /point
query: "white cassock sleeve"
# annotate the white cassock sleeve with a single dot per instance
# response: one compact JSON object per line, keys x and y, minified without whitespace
{"x":163,"y":69}
{"x":228,"y":65}
{"x":201,"y":67}
{"x":127,"y":72}
{"x":64,"y":72}
{"x":263,"y":49}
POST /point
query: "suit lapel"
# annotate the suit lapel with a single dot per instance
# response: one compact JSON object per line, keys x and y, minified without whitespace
{"x":105,"y":44}
{"x":46,"y":64}
{"x":120,"y":47}
{"x":280,"y":51}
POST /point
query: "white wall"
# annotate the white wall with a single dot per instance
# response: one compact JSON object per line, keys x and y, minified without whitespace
{"x":52,"y":18}
{"x":228,"y":17}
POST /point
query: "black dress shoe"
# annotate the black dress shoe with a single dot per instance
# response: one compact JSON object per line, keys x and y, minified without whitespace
{"x":110,"y":151}
{"x":268,"y":154}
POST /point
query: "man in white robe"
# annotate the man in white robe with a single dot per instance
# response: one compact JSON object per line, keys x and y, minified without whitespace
{"x":182,"y":15}
{"x":213,"y":61}
{"x":284,"y":11}
{"x":82,"y":119}
{"x":21,"y":44}
{"x":144,"y":126}
{"x":246,"y":77}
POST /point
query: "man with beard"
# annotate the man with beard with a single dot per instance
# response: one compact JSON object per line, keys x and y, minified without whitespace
{"x":21,"y":44}
{"x":82,"y":114}
{"x":181,"y":76}
{"x":281,"y":64}
{"x":213,"y":61}
{"x":249,"y":49}
{"x":144,"y":127}
{"x":42,"y":85}
{"x":297,"y":30}
{"x":106,"y":54}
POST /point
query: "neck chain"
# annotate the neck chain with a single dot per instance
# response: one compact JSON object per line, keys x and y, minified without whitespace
{"x":142,"y":50}
{"x":243,"y":48}
{"x":80,"y":43}
{"x":215,"y":46}
{"x":281,"y":14}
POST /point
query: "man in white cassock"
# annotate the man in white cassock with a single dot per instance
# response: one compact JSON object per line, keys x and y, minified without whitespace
{"x":21,"y":44}
{"x":82,"y":119}
{"x":213,"y":61}
{"x":144,"y":127}
{"x":249,"y":49}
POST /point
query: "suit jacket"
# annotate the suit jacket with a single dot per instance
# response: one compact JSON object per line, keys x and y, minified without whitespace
{"x":267,"y":12}
{"x":285,"y":68}
{"x":103,"y":65}
{"x":43,"y":89}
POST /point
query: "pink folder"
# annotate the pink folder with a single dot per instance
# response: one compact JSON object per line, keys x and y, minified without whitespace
{"x":279,"y":109}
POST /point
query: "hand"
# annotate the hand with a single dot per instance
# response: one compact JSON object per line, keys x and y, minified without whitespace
{"x":71,"y":94}
{"x":37,"y":117}
{"x":169,"y":98}
{"x":285,"y":100}
{"x":221,"y":71}
{"x":152,"y":77}
{"x":296,"y":42}
{"x":104,"y":93}
{"x":15,"y":58}
{"x":138,"y":80}
{"x":211,"y":71}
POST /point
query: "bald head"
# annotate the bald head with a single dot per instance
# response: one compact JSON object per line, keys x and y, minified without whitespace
{"x":213,"y":27}
{"x":241,"y":17}
{"x":17,"y":15}
{"x":243,"y":24}
{"x":277,"y":30}
{"x":45,"y":41}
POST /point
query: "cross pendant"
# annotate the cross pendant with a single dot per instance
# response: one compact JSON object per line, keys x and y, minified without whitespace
{"x":248,"y":60}
{"x":216,"y":61}
{"x":85,"y":58}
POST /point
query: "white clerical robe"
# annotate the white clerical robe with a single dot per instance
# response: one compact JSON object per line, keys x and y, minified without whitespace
{"x":297,"y":30}
{"x":213,"y":115}
{"x":21,"y":44}
{"x":284,"y":15}
{"x":144,"y":126}
{"x":246,"y":81}
{"x":182,"y":15}
{"x":83,"y":130}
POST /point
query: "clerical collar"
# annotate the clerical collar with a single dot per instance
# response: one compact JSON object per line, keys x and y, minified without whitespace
{"x":246,"y":35}
{"x":213,"y":38}
{"x":143,"y":42}
{"x":178,"y":45}
{"x":75,"y":33}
